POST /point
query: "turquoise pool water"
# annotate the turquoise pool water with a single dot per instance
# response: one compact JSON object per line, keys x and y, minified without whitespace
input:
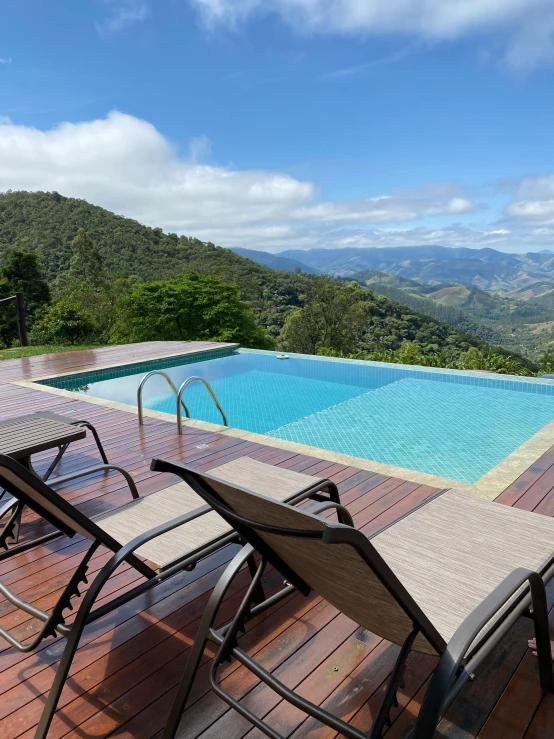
{"x":456,"y":425}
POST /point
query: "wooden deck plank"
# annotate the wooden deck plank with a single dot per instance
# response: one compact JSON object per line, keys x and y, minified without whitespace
{"x":126,"y":670}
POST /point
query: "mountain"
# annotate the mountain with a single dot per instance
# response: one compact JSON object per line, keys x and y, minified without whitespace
{"x":487,"y":269}
{"x":274,"y":261}
{"x":522,"y":326}
{"x":47,"y":222}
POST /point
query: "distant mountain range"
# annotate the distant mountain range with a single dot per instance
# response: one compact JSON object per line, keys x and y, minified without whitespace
{"x":521,"y":276}
{"x":275,"y":261}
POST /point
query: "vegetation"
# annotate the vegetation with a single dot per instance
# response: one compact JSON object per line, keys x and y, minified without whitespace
{"x":519,"y":326}
{"x":20,"y":273}
{"x":63,"y":323}
{"x":188,"y":307}
{"x":113,"y":280}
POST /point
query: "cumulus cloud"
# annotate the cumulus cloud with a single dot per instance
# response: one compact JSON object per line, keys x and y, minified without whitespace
{"x":528,"y":25}
{"x":121,"y":14}
{"x":125,"y":164}
{"x":534,"y":201}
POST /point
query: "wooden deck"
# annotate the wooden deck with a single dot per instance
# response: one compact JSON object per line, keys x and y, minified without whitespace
{"x":125,"y":672}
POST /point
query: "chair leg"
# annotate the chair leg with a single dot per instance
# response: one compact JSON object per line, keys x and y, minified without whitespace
{"x":542,"y":634}
{"x":94,"y":432}
{"x":57,"y":459}
{"x":59,"y":682}
{"x":202,"y":638}
{"x":390,"y":700}
{"x":258,"y":596}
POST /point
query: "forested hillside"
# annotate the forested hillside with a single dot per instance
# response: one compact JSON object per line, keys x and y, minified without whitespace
{"x":116,"y":280}
{"x":517,"y":325}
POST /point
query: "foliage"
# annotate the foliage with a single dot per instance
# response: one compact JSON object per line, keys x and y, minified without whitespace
{"x":518,"y":325}
{"x":90,"y":286}
{"x":546,"y":363}
{"x":301,"y":312}
{"x":20,"y":273}
{"x":189,"y":307}
{"x":64,"y":322}
{"x":345,"y":320}
{"x":333,"y":317}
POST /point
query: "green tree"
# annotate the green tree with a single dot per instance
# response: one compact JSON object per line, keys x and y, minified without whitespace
{"x":333,"y":319}
{"x":21,"y":273}
{"x":64,"y":323}
{"x":189,"y":307}
{"x":546,"y":363}
{"x":90,"y":286}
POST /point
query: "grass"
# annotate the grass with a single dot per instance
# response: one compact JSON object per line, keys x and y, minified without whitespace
{"x":32,"y":351}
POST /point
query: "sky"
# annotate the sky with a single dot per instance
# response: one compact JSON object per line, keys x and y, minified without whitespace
{"x":289,"y":124}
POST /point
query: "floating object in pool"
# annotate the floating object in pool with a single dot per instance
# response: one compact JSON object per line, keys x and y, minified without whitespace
{"x":282,"y":356}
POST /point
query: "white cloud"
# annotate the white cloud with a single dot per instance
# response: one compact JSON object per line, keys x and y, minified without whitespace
{"x":200,"y":148}
{"x":5,"y":60}
{"x":383,"y":209}
{"x":126,"y":165}
{"x":534,"y":201}
{"x":121,"y":14}
{"x":529,"y":24}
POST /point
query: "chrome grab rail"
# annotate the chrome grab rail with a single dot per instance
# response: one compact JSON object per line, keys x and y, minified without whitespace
{"x":172,"y":385}
{"x":180,"y":401}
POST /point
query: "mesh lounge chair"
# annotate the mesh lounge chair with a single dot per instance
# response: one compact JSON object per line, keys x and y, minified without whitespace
{"x":448,"y":579}
{"x":11,"y":509}
{"x":172,"y":529}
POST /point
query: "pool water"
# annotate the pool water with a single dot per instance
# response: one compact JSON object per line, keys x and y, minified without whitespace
{"x":452,"y":424}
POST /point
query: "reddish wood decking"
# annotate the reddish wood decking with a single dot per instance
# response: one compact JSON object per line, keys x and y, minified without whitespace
{"x":128,"y":664}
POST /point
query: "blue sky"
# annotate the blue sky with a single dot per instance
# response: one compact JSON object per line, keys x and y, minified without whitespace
{"x":289,"y":123}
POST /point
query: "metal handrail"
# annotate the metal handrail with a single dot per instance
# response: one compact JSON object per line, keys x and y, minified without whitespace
{"x":180,"y":401}
{"x":172,"y":385}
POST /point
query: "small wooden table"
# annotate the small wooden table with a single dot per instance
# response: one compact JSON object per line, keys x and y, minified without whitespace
{"x":24,"y":436}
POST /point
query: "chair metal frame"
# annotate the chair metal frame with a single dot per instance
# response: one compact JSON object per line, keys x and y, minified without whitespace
{"x":54,"y":622}
{"x":458,"y":659}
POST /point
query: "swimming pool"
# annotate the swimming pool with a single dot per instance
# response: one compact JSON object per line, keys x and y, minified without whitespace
{"x":451,"y":424}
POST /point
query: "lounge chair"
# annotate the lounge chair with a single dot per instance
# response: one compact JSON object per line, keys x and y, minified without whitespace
{"x":159,"y":536}
{"x":448,"y":579}
{"x":11,"y":509}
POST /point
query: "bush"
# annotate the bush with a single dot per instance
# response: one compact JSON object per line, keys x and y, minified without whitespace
{"x":62,"y":323}
{"x":188,"y":308}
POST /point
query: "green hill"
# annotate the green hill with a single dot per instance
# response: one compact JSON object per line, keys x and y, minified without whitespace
{"x":517,"y":325}
{"x":46,"y":223}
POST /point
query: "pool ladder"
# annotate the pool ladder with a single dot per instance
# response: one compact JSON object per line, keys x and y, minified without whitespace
{"x":179,"y":395}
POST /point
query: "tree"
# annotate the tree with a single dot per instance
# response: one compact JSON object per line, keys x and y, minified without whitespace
{"x":189,"y":307}
{"x":333,"y":319}
{"x":64,"y":323}
{"x":21,"y":273}
{"x":91,"y":287}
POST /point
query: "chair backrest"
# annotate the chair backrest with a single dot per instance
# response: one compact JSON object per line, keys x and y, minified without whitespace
{"x":334,"y":560}
{"x":48,"y":504}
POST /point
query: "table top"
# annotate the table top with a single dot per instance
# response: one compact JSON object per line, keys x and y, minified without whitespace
{"x":26,"y":435}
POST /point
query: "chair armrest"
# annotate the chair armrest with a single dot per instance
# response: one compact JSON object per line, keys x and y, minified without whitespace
{"x":98,"y":468}
{"x":447,"y":679}
{"x":488,"y":608}
{"x":342,"y":513}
